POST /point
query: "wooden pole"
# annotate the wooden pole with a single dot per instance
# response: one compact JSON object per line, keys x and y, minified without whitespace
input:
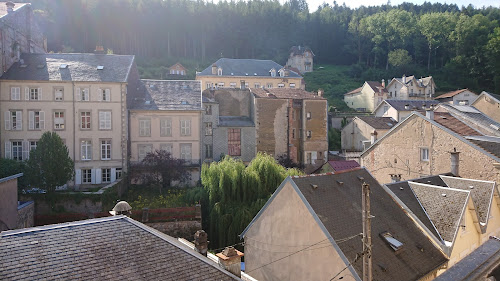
{"x":367,"y":236}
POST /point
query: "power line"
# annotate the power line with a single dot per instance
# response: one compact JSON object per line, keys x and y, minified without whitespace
{"x":241,"y":243}
{"x":358,"y":255}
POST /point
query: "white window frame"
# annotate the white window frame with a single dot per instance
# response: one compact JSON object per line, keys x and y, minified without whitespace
{"x":106,"y":175}
{"x":105,"y":120}
{"x":281,"y":85}
{"x":292,"y":85}
{"x":144,"y":127}
{"x":424,"y":154}
{"x":104,"y":95}
{"x":166,"y":127}
{"x":33,"y":144}
{"x":13,"y":120}
{"x":256,"y":85}
{"x":106,"y":149}
{"x":86,"y":150}
{"x":186,"y":151}
{"x":17,"y":150}
{"x":15,"y":93}
{"x":308,"y":115}
{"x":168,"y":147}
{"x":220,"y":85}
{"x":232,"y":85}
{"x":143,"y":150}
{"x":34,"y":93}
{"x":85,"y":94}
{"x":86,"y":176}
{"x":59,"y":120}
{"x":185,"y":125}
{"x":85,"y":120}
{"x":208,"y":129}
{"x":36,"y":120}
{"x":269,"y":85}
{"x":219,"y":71}
{"x":58,"y":94}
{"x":209,"y":151}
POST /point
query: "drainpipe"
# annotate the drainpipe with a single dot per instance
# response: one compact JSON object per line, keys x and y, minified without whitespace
{"x":74,"y":126}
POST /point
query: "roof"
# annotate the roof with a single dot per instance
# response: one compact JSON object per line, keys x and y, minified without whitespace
{"x":299,"y":50}
{"x":489,"y":144}
{"x":379,"y":123}
{"x":413,"y":105}
{"x":423,"y":82}
{"x":285,"y":93}
{"x":167,"y":95}
{"x":178,"y":65}
{"x":475,"y":266}
{"x":473,"y":118}
{"x":246,"y":67}
{"x":376,"y":86}
{"x":329,"y":195}
{"x":449,"y":121}
{"x":343,"y":165}
{"x":355,"y":91}
{"x":112,"y":248}
{"x":80,"y":67}
{"x":235,"y":121}
{"x":491,"y":95}
{"x":452,"y":94}
{"x":3,"y":7}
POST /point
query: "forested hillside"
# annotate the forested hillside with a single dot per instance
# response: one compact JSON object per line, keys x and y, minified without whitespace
{"x":461,"y":45}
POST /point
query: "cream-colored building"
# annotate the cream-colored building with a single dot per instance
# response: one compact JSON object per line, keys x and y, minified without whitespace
{"x":248,"y":73}
{"x":400,"y":109}
{"x":366,"y":98}
{"x":489,"y":104}
{"x":82,"y":97}
{"x":301,"y":58}
{"x":458,"y":97}
{"x":411,"y":88}
{"x":166,"y":115}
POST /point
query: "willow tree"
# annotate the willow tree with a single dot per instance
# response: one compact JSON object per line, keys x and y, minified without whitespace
{"x":237,"y":192}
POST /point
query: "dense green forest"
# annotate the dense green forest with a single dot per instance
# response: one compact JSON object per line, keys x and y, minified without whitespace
{"x":461,"y":44}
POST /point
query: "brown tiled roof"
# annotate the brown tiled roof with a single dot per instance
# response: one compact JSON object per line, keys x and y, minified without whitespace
{"x":447,"y":120}
{"x":376,"y":86}
{"x":354,"y":91}
{"x":451,"y":94}
{"x":114,"y":248}
{"x":285,"y":93}
{"x":380,"y":123}
{"x":338,"y":166}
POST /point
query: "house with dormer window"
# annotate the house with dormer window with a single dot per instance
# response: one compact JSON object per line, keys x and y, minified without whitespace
{"x":411,"y":88}
{"x":249,"y":73}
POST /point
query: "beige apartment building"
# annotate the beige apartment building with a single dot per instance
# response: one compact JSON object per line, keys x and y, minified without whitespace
{"x":82,"y":97}
{"x":248,"y":73}
{"x":166,"y":115}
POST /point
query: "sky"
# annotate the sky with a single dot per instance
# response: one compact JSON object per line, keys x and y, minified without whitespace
{"x":313,"y":4}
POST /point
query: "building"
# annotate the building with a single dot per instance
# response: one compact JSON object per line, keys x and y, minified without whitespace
{"x":82,"y":97}
{"x":177,"y":69}
{"x":111,"y":248}
{"x":411,"y":88}
{"x":292,"y":123}
{"x":366,"y":98}
{"x":472,"y":117}
{"x":229,"y":127}
{"x":13,"y":213}
{"x":420,"y":146}
{"x":363,"y":131}
{"x":489,"y":104}
{"x":310,"y":229}
{"x":166,"y":115}
{"x":338,"y":166}
{"x":301,"y":58}
{"x":20,"y":33}
{"x":458,"y":97}
{"x":248,"y":73}
{"x":400,"y":109}
{"x":458,"y":214}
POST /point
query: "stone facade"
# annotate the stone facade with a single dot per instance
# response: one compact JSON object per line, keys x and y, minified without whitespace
{"x":301,"y":58}
{"x":489,"y":105}
{"x":8,"y":202}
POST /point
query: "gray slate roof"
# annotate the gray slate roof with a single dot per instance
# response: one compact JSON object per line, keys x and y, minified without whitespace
{"x":235,"y":121}
{"x":414,"y":105}
{"x":246,"y":67}
{"x":167,"y":95}
{"x":487,"y":143}
{"x":380,"y":123}
{"x":339,"y":208}
{"x":81,"y":67}
{"x":113,"y":248}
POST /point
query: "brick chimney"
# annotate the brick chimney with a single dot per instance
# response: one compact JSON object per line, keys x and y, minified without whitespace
{"x":404,"y":78}
{"x":455,"y":159}
{"x":230,"y":259}
{"x":10,"y":7}
{"x":201,"y":242}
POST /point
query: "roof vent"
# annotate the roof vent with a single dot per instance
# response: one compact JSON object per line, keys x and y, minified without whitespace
{"x":314,"y":186}
{"x":361,"y":178}
{"x":232,"y":74}
{"x":471,"y":186}
{"x":151,"y":86}
{"x":184,"y":102}
{"x":100,"y":67}
{"x":255,"y":74}
{"x":407,"y":106}
{"x":63,"y":66}
{"x":443,"y":194}
{"x":340,"y":182}
{"x":23,"y":65}
{"x":147,"y":102}
{"x":246,"y":74}
{"x":121,"y":208}
{"x":401,"y":188}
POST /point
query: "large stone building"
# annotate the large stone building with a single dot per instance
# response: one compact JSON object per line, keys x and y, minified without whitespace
{"x":166,"y":115}
{"x":248,"y":73}
{"x":82,"y":97}
{"x":301,"y":58}
{"x":489,"y":104}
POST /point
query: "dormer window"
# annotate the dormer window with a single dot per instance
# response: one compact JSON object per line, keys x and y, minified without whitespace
{"x":273,"y":72}
{"x":282,"y":73}
{"x":219,"y":71}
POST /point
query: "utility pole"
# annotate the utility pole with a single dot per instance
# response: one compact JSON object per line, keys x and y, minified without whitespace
{"x":367,"y":234}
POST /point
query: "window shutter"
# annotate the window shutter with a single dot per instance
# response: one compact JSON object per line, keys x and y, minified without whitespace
{"x":108,"y":94}
{"x":13,"y":93}
{"x":8,"y":147}
{"x":78,"y":176}
{"x":98,"y":176}
{"x":42,"y":120}
{"x":31,"y":120}
{"x":19,"y":120}
{"x":39,"y":93}
{"x":99,"y":94}
{"x":78,"y":96}
{"x":26,"y":150}
{"x":7,"y":120}
{"x":113,"y":174}
{"x":27,"y":93}
{"x":101,"y":120}
{"x":92,"y":176}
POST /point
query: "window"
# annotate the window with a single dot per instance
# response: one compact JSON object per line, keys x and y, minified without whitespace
{"x":293,"y":133}
{"x":309,"y":158}
{"x":308,"y":115}
{"x":209,"y":85}
{"x":411,"y":91}
{"x":293,"y":114}
{"x":386,"y":108}
{"x":15,"y":93}
{"x":208,"y":128}
{"x":118,"y":173}
{"x":463,"y":102}
{"x":34,"y":94}
{"x":256,"y":85}
{"x":419,"y":92}
{"x":13,"y":120}
{"x":104,"y":120}
{"x":166,"y":127}
{"x":58,"y":94}
{"x":269,"y":85}
{"x":273,"y":72}
{"x":144,"y":127}
{"x":309,"y":134}
{"x":307,"y":67}
{"x":185,"y":127}
{"x":208,"y":151}
{"x":86,"y":175}
{"x":59,"y":120}
{"x":292,"y":85}
{"x":82,"y":94}
{"x":17,"y":150}
{"x":106,"y":175}
{"x":232,"y":85}
{"x":424,"y":154}
{"x":105,"y":149}
{"x":219,"y":71}
{"x":220,"y":85}
{"x":143,"y":150}
{"x":234,"y":142}
{"x":166,"y":147}
{"x":33,"y":145}
{"x":36,"y":120}
{"x":85,"y":120}
{"x":186,"y":151}
{"x":104,"y":95}
{"x":281,"y":85}
{"x":86,"y":146}
{"x":208,"y":109}
{"x":395,"y":93}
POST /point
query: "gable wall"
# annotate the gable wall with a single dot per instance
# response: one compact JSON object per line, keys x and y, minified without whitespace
{"x":363,"y":100}
{"x":489,"y":107}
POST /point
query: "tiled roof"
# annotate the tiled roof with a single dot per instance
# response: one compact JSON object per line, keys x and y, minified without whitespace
{"x":489,"y":144}
{"x":3,"y":7}
{"x":443,"y":205}
{"x":376,"y":86}
{"x":447,"y":120}
{"x":80,"y":67}
{"x":380,"y":123}
{"x":235,"y":121}
{"x":336,"y":200}
{"x":413,"y":105}
{"x":177,"y":64}
{"x":299,"y":50}
{"x":113,"y":248}
{"x":473,"y":118}
{"x":167,"y":95}
{"x":247,"y":67}
{"x":354,"y":91}
{"x":343,"y":165}
{"x":452,"y":94}
{"x":423,"y":82}
{"x":285,"y":93}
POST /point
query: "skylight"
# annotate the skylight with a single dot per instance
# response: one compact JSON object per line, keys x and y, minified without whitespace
{"x":393,"y":242}
{"x":100,"y":67}
{"x":184,"y":102}
{"x":63,"y":66}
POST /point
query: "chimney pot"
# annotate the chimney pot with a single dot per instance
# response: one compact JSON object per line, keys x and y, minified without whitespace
{"x":230,"y":259}
{"x":10,"y":6}
{"x":455,"y":159}
{"x":404,"y":78}
{"x":383,"y":83}
{"x":201,"y":242}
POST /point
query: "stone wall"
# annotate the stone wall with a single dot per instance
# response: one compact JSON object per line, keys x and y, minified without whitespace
{"x":233,"y":102}
{"x":183,"y":229}
{"x":85,"y":206}
{"x":26,"y":215}
{"x":271,"y":125}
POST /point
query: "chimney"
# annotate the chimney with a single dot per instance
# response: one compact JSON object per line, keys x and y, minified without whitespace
{"x":320,"y":92}
{"x":201,"y":242}
{"x":230,"y":259}
{"x":455,"y":159}
{"x":374,"y":137}
{"x":121,"y":208}
{"x":407,"y":106}
{"x":10,"y":7}
{"x":99,"y":49}
{"x":214,"y":69}
{"x":383,"y":83}
{"x":429,"y":114}
{"x":395,"y":178}
{"x":404,"y":78}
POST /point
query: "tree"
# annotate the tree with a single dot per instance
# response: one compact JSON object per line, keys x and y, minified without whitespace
{"x":49,"y":164}
{"x":160,"y":169}
{"x":436,"y":28}
{"x":399,"y":57}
